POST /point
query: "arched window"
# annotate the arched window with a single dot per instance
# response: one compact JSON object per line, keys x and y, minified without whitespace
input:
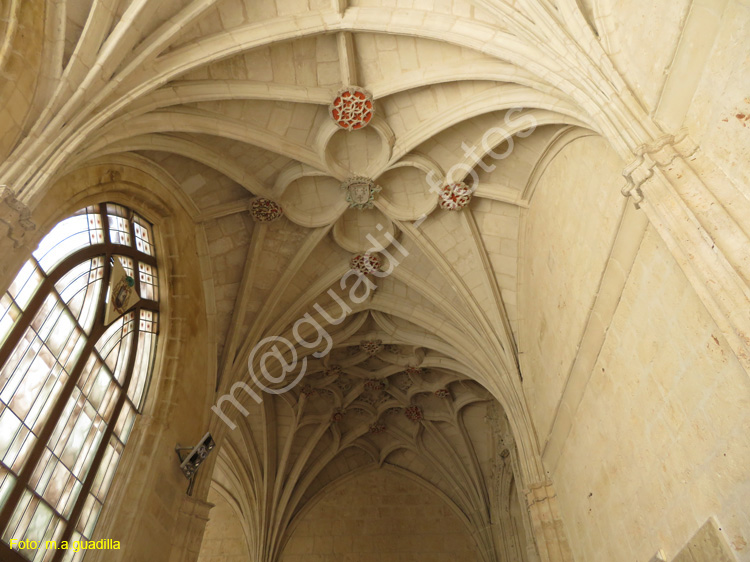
{"x":76,"y":354}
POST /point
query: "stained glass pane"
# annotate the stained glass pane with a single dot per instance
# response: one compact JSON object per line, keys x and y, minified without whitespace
{"x":107,"y":468}
{"x":89,"y":516}
{"x":7,"y":479}
{"x":119,"y":224}
{"x":44,"y":356}
{"x":80,"y":288}
{"x":72,"y":555}
{"x":125,"y":422}
{"x":9,"y":313}
{"x":70,"y":235}
{"x":25,"y":284}
{"x":143,"y":238}
{"x":15,"y":527}
{"x":39,"y":522}
{"x":149,"y":287}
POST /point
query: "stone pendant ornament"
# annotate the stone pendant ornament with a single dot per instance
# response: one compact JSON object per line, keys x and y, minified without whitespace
{"x":442,"y":393}
{"x":365,"y":263}
{"x":360,"y":192}
{"x":377,"y":428}
{"x":309,"y":390}
{"x":334,"y":370}
{"x":374,"y":385}
{"x":265,"y":210}
{"x":371,"y":347}
{"x":352,"y":108}
{"x":414,"y":413}
{"x":455,"y":196}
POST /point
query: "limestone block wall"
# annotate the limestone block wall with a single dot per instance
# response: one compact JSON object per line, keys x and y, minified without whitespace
{"x":21,"y":48}
{"x":224,"y":539}
{"x":719,"y":115}
{"x":659,"y":442}
{"x":566,"y":237}
{"x":640,"y":39}
{"x":380,"y":516}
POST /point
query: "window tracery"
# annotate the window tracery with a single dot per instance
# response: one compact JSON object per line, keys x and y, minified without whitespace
{"x":71,"y":385}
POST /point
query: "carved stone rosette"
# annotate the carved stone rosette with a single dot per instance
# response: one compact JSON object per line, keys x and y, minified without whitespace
{"x":414,"y":413}
{"x":265,"y":210}
{"x":365,"y":263}
{"x":334,"y":370}
{"x":371,"y":347}
{"x":373,"y":384}
{"x":352,"y":108}
{"x":377,"y":428}
{"x":455,"y":196}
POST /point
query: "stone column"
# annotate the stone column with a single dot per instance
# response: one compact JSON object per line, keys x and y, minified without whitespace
{"x":551,"y":541}
{"x":189,"y":528}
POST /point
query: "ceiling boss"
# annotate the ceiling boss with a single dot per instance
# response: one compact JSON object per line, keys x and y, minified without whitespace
{"x":360,"y":192}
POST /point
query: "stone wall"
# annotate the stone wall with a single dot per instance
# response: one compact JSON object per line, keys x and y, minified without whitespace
{"x":659,"y":442}
{"x":223,"y":540}
{"x":380,"y":516}
{"x":566,"y":238}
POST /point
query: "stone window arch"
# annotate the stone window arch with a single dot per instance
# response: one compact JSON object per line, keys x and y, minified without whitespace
{"x":74,"y":373}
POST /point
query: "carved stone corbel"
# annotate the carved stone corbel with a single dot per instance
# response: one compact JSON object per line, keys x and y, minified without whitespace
{"x":15,"y":217}
{"x":661,"y":152}
{"x":699,"y":214}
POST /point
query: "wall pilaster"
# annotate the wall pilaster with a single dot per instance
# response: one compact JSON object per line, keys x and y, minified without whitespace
{"x":551,"y":541}
{"x":189,"y":529}
{"x":696,"y":210}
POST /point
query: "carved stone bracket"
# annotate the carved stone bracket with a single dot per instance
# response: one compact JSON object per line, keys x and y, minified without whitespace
{"x":698,"y":213}
{"x":15,"y":216}
{"x":661,"y":152}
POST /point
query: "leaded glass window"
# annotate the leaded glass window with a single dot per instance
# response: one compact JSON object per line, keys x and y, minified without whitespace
{"x":71,"y":386}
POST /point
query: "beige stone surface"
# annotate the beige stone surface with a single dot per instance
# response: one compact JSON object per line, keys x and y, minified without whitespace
{"x":380,"y":516}
{"x":224,"y":539}
{"x":575,"y":389}
{"x":661,"y":431}
{"x":568,"y":232}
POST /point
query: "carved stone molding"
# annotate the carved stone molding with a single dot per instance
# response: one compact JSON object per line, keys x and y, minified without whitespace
{"x":552,"y":542}
{"x":698,"y":213}
{"x":661,"y":152}
{"x":15,"y":217}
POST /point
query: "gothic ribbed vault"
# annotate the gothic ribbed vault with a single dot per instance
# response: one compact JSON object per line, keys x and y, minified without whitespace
{"x":228,"y":103}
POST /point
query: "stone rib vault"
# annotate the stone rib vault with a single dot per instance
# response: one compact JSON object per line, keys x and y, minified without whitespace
{"x":511,"y":166}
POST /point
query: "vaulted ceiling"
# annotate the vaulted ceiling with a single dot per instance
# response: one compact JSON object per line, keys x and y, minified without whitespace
{"x":230,"y":102}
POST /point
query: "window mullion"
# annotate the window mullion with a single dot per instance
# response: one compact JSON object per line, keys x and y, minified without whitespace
{"x":9,"y":555}
{"x":86,"y":488}
{"x":22,"y":480}
{"x":16,"y":333}
{"x":25,"y":474}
